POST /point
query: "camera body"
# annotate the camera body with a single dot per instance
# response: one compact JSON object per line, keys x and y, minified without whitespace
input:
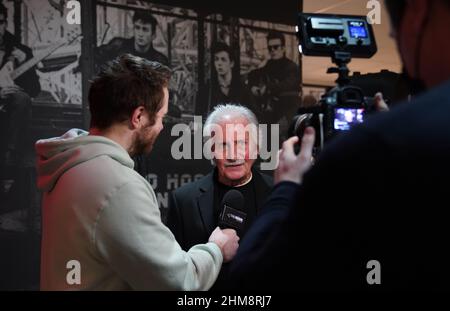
{"x":338,"y":111}
{"x":340,"y":37}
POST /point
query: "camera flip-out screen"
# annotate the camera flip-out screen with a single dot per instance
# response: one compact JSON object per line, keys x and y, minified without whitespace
{"x":323,"y":34}
{"x":345,"y":118}
{"x":357,"y":29}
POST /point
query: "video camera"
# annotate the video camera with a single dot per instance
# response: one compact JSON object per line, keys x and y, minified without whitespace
{"x":340,"y":37}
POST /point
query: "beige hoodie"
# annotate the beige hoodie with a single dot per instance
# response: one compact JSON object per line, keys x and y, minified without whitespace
{"x":98,"y":212}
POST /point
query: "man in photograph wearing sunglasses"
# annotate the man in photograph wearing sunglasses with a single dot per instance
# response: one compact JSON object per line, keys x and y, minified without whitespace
{"x":276,"y":84}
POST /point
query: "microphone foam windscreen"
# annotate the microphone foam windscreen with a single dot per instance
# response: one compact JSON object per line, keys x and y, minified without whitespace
{"x":233,"y":198}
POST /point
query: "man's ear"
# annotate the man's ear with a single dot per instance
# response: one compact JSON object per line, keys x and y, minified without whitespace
{"x":415,"y":15}
{"x":409,"y":32}
{"x":138,"y":118}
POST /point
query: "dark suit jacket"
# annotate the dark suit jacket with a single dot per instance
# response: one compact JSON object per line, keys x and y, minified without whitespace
{"x":380,"y":192}
{"x":191,"y":212}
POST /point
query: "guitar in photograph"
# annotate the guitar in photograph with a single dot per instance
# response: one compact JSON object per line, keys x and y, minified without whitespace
{"x":8,"y":74}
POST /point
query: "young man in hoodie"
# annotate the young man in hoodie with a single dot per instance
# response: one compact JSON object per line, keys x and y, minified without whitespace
{"x":101,"y":221}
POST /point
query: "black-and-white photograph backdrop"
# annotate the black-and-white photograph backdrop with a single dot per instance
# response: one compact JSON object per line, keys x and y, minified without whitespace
{"x":40,"y":93}
{"x":156,"y":32}
{"x":215,"y":58}
{"x":40,"y":96}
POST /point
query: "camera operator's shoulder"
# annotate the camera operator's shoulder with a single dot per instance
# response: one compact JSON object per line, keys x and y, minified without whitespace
{"x":428,"y":112}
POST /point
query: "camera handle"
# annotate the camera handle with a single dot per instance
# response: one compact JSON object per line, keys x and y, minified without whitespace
{"x":341,"y":59}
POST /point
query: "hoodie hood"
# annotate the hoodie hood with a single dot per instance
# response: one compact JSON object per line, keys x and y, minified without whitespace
{"x":59,"y":154}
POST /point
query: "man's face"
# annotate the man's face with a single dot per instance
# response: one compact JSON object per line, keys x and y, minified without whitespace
{"x":145,"y":137}
{"x":276,"y":50}
{"x":234,"y":152}
{"x":143,"y":34}
{"x":2,"y":25}
{"x":223,"y":63}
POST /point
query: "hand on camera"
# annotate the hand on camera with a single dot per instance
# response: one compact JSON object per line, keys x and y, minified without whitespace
{"x":380,"y":104}
{"x":291,"y":167}
{"x":227,"y":240}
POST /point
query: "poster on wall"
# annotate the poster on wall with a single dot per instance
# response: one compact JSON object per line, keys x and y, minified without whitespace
{"x":222,"y":82}
{"x":40,"y":95}
{"x":158,"y":33}
{"x":53,"y":48}
{"x":215,"y":59}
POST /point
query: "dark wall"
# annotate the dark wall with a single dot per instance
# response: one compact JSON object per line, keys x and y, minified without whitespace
{"x":281,"y":11}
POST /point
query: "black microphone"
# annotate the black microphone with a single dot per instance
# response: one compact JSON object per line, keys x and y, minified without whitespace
{"x":232,"y":211}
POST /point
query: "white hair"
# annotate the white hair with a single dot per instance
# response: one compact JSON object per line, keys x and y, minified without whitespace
{"x":223,"y":113}
{"x":220,"y":112}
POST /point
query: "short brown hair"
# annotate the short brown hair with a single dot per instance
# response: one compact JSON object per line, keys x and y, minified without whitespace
{"x":124,"y":84}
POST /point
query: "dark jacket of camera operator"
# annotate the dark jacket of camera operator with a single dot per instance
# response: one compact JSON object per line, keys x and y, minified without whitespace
{"x":371,"y":213}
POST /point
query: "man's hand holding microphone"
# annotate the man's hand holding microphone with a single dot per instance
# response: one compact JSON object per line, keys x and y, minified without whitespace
{"x":227,"y":240}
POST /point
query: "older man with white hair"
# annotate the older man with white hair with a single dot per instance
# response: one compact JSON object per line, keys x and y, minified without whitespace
{"x":194,"y":208}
